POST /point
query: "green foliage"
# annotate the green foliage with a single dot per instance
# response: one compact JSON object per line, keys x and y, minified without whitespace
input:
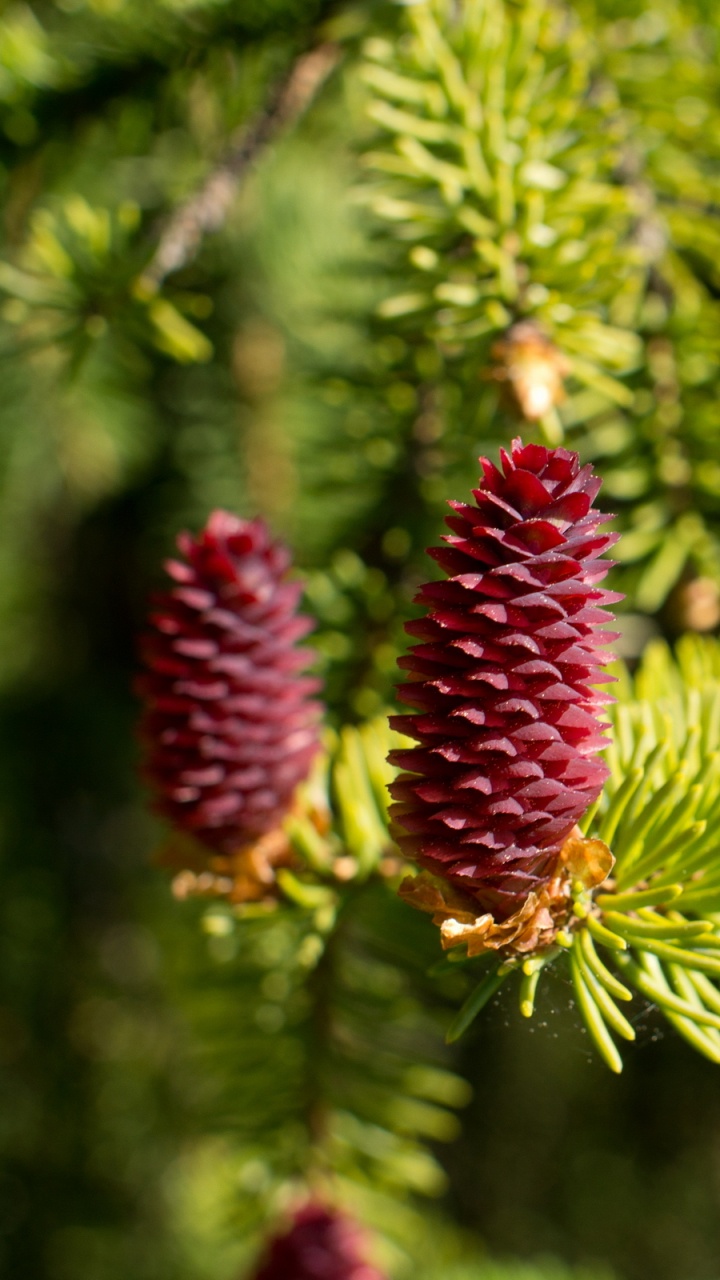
{"x":49,"y":47}
{"x":543,"y":1270}
{"x":77,"y":274}
{"x":659,"y":814}
{"x":309,"y":979}
{"x":489,"y":165}
{"x":171,"y":1085}
{"x":495,"y":182}
{"x":308,"y":987}
{"x":664,"y":65}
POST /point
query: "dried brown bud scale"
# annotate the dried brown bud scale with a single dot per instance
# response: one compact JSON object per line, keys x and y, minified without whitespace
{"x":531,"y":369}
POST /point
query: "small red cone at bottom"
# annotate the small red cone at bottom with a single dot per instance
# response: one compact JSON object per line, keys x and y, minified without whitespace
{"x":320,"y":1244}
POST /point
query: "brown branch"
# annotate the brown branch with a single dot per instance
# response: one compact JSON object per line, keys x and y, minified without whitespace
{"x":207,"y":209}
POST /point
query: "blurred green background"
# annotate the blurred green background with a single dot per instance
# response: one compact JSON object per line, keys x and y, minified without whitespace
{"x":260,"y":377}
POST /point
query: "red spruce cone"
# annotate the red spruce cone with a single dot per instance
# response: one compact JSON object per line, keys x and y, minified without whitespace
{"x":228,"y":725}
{"x":319,"y":1245}
{"x":504,"y":679}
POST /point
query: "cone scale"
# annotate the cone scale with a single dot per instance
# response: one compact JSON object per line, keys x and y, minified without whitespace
{"x":229,"y":725}
{"x":503,"y":682}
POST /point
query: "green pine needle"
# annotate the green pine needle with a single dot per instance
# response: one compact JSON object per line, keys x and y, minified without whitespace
{"x":475,"y":1002}
{"x":593,"y":1017}
{"x":482,"y":193}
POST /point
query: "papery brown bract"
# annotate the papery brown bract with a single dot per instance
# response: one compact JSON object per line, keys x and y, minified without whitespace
{"x":320,"y":1244}
{"x":228,"y":723}
{"x":504,"y":681}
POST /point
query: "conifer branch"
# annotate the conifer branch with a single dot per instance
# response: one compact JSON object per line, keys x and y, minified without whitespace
{"x":206,"y":210}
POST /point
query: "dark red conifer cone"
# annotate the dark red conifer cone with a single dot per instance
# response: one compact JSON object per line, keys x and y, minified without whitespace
{"x":504,"y":681}
{"x":228,"y":724}
{"x":320,"y":1244}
